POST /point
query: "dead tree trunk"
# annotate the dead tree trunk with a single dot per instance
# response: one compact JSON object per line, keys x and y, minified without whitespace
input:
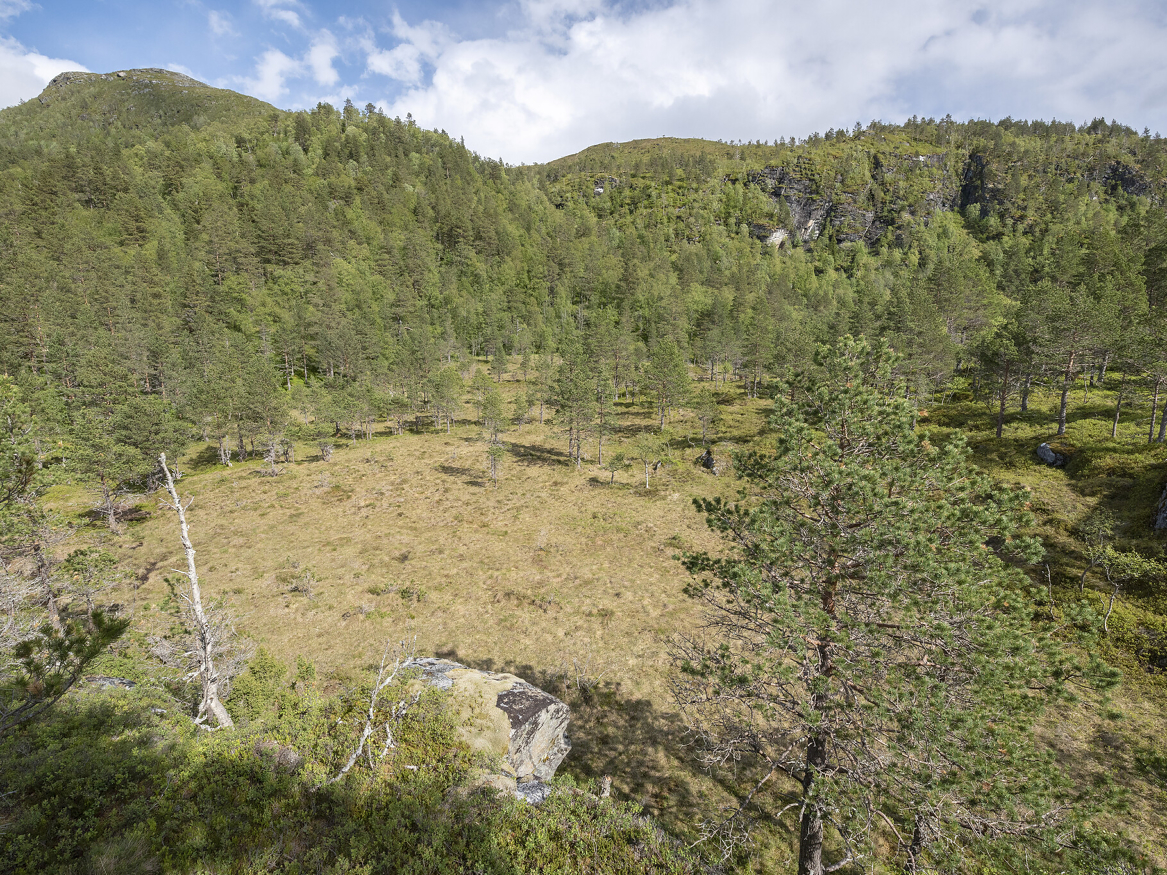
{"x":44,"y":574}
{"x":211,"y":705}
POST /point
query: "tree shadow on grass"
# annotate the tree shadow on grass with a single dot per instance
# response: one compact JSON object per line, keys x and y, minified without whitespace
{"x":128,"y":513}
{"x":206,"y":459}
{"x":534,"y":454}
{"x":647,"y":751}
{"x":473,"y":477}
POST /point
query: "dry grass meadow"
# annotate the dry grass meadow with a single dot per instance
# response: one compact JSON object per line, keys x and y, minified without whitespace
{"x":554,"y":574}
{"x":567,"y":581}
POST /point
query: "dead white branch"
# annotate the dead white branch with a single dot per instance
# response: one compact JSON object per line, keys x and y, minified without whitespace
{"x":384,"y":680}
{"x":205,"y":637}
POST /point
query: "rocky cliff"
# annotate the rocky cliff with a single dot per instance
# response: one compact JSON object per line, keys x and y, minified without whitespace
{"x":868,"y":196}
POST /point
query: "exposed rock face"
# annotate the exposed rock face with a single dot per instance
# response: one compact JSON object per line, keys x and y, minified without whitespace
{"x":769,"y":234}
{"x":532,"y":791}
{"x":1047,"y":455}
{"x":505,"y":716}
{"x":984,"y":184}
{"x":1160,"y":524}
{"x":866,"y":201}
{"x":151,"y":75}
{"x":819,"y":203}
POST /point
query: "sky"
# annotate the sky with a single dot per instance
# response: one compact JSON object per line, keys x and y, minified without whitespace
{"x":532,"y":80}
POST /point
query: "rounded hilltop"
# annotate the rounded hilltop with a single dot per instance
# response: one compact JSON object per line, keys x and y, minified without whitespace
{"x":150,"y":75}
{"x":135,"y":102}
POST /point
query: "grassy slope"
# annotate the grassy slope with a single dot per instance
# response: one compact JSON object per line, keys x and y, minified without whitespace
{"x":1117,"y":744}
{"x":554,"y":570}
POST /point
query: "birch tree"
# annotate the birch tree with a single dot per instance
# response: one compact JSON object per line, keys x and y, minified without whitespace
{"x":668,"y":376}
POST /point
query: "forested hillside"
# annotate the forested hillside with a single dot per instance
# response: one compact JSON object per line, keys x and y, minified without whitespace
{"x":184,"y":270}
{"x":165,"y":259}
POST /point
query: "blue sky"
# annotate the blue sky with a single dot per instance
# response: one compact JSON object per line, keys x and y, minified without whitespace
{"x":530,"y":80}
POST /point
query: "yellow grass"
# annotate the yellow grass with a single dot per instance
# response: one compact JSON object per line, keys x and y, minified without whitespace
{"x":553,"y":574}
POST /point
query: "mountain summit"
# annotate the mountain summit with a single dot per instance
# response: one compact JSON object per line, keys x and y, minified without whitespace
{"x":147,"y":100}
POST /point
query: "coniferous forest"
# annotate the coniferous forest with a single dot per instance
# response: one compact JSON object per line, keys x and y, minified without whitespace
{"x":906,"y":611}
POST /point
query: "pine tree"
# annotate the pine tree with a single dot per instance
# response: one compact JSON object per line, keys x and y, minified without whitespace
{"x":575,"y":396}
{"x":446,"y":395}
{"x":41,"y":655}
{"x":667,"y":376}
{"x":866,"y":640}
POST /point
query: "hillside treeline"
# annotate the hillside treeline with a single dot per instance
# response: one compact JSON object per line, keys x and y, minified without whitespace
{"x":340,"y":262}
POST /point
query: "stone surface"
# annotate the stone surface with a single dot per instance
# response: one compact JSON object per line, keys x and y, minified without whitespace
{"x":706,"y":461}
{"x":106,"y":682}
{"x":1160,"y":523}
{"x":532,"y":791}
{"x":499,"y":783}
{"x":151,"y":75}
{"x":281,"y":757}
{"x":503,"y":715}
{"x":1047,"y":455}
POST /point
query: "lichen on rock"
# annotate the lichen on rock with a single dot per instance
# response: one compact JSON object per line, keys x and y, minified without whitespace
{"x":503,"y":716}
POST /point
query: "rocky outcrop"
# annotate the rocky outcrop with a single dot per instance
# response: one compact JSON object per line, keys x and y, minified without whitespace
{"x":503,"y":715}
{"x":706,"y":461}
{"x":819,"y":202}
{"x":769,"y":234}
{"x":1130,"y":180}
{"x":984,"y":184}
{"x":1160,"y":522}
{"x":886,"y":190}
{"x":1046,"y":453}
{"x":149,"y":75}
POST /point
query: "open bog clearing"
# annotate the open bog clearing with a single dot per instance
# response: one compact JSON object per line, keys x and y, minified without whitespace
{"x":554,"y":574}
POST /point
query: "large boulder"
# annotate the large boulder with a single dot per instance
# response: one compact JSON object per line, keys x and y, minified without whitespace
{"x":1046,"y":453}
{"x":1160,"y":523}
{"x":503,"y":715}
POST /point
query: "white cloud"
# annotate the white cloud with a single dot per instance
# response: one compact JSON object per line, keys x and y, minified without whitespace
{"x":402,"y":63}
{"x":185,"y":71}
{"x":275,"y":69}
{"x":320,"y":55}
{"x":220,"y":23}
{"x":11,"y":8}
{"x":570,"y":73}
{"x":282,"y":10}
{"x":271,"y":72}
{"x":25,"y":73}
